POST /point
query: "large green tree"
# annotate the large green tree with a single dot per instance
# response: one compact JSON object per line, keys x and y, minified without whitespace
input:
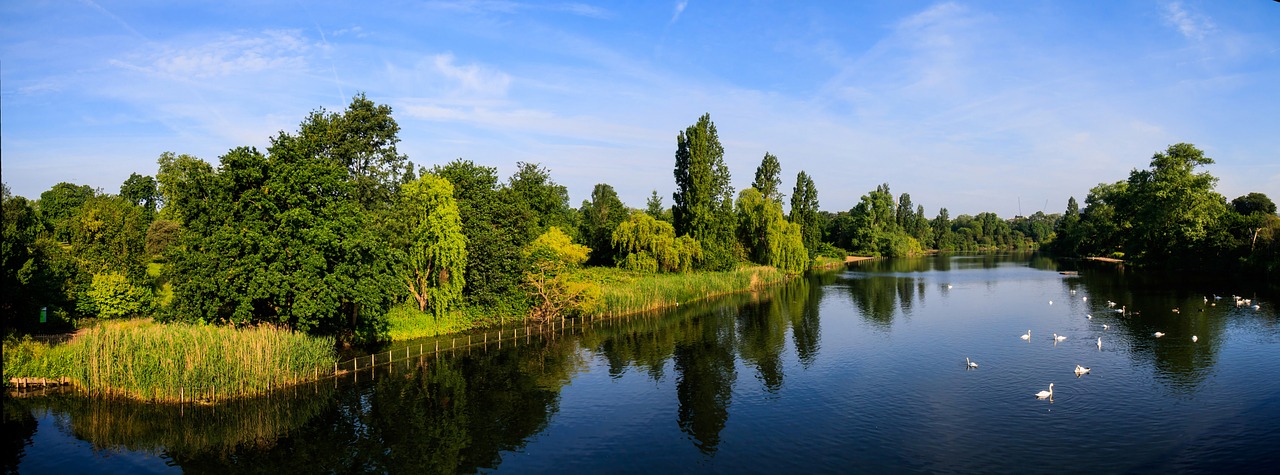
{"x":59,"y":203}
{"x":362,"y":139}
{"x":1172,"y":207}
{"x":434,"y":264}
{"x":804,"y":211}
{"x":142,"y":191}
{"x":549,"y":202}
{"x":703,"y":201}
{"x":598,"y":218}
{"x":497,"y":227}
{"x":285,"y":238}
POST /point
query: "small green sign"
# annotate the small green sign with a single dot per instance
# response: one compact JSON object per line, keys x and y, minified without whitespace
{"x":44,"y":311}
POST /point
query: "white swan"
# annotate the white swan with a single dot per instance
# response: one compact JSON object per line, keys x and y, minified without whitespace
{"x":1045,"y":394}
{"x":969,"y":363}
{"x":1194,"y":339}
{"x":1088,"y":316}
{"x":1158,"y":334}
{"x":1099,"y":343}
{"x":1104,"y":327}
{"x":1057,"y":337}
{"x":1027,"y":336}
{"x":1050,"y":302}
{"x":1081,"y":370}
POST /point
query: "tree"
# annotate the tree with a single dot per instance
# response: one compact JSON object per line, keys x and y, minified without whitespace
{"x":160,"y":235}
{"x":32,"y":277}
{"x":1172,"y":207}
{"x":804,"y":211}
{"x":108,"y":235}
{"x":654,"y":207}
{"x":497,"y":227}
{"x":362,"y":140}
{"x":649,"y":245}
{"x":944,"y":239}
{"x":111,"y":295}
{"x":436,"y":255}
{"x":768,"y":178}
{"x":59,"y":203}
{"x":768,"y":238}
{"x":703,"y":201}
{"x":1253,"y":203}
{"x":555,"y":293}
{"x":1067,"y":238}
{"x":282,"y":238}
{"x":141,"y":191}
{"x":533,"y":186}
{"x":599,"y":217}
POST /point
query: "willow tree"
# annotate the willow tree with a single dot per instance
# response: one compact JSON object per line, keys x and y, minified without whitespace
{"x":436,"y":256}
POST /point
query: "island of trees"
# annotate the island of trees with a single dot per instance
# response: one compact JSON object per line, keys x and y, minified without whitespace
{"x":331,"y":232}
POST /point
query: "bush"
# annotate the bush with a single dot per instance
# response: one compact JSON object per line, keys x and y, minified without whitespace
{"x":111,"y":295}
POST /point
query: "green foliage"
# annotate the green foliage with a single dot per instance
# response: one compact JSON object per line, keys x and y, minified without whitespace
{"x":284,"y":238}
{"x":161,"y":234}
{"x":653,"y":206}
{"x":436,"y":255}
{"x":59,"y":204}
{"x":768,"y":178}
{"x":111,"y":295}
{"x":362,"y":140}
{"x":804,"y":211}
{"x":703,"y":199}
{"x":31,"y":278}
{"x":598,"y":218}
{"x":1172,"y":209}
{"x":648,"y":245}
{"x":497,"y":227}
{"x":768,"y":238}
{"x":141,"y":191}
{"x":108,"y":235}
{"x":1254,"y":203}
{"x":533,"y":187}
{"x":555,"y":293}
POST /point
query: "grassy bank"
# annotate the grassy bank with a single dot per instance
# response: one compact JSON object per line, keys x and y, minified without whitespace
{"x":623,"y":292}
{"x":143,"y":360}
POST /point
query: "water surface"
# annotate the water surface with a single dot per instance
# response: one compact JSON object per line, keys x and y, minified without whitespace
{"x":857,"y":370}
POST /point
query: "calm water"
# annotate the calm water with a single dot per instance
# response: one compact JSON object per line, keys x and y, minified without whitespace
{"x":861,"y":370}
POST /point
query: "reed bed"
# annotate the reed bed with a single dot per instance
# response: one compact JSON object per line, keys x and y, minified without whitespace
{"x":181,"y":362}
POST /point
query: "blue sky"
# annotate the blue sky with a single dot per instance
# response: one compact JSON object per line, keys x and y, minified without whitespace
{"x":974,"y":106}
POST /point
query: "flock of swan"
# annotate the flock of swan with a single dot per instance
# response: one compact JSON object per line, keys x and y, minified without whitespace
{"x":1123,"y":311}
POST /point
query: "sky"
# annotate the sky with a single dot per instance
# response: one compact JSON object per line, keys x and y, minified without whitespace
{"x":975,"y":106}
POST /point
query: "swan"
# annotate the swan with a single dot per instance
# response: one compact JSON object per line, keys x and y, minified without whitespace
{"x":1104,"y":326}
{"x":1057,"y":337}
{"x":1081,"y":370}
{"x":1088,"y":316}
{"x":1099,"y":343}
{"x":1158,"y":334}
{"x":1084,"y":299}
{"x":969,"y":363}
{"x":1050,"y":302}
{"x":1194,"y":339}
{"x":1027,"y":336}
{"x":1110,"y":303}
{"x":1045,"y":394}
{"x":1175,"y":310}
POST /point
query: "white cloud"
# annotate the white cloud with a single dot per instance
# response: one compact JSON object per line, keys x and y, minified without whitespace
{"x":228,"y":55}
{"x":1192,"y":26}
{"x":472,"y":78}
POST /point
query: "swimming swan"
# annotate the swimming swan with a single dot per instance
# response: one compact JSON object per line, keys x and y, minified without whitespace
{"x":1045,"y":394}
{"x":1081,"y":370}
{"x":1194,"y":339}
{"x":969,"y":363}
{"x":1158,"y":334}
{"x":1057,"y":337}
{"x":1027,"y":336}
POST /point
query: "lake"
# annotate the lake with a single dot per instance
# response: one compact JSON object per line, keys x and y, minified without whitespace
{"x":854,"y":370}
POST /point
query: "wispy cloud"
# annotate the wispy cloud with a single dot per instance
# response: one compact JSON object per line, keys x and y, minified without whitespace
{"x":510,"y":7}
{"x":1192,"y":25}
{"x":680,"y":6}
{"x":227,"y":55}
{"x":113,"y":17}
{"x":472,"y":78}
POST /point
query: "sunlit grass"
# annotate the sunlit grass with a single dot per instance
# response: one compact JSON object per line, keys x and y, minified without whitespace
{"x":625,"y":292}
{"x":171,"y":362}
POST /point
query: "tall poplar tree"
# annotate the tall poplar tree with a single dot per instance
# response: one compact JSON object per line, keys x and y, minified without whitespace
{"x":804,"y":211}
{"x":768,"y":178}
{"x":703,"y":201}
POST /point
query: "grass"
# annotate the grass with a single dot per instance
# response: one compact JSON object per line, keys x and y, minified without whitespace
{"x":142,"y":360}
{"x":626,"y":292}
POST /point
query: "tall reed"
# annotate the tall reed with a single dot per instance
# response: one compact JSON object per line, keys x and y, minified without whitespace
{"x":172,"y":362}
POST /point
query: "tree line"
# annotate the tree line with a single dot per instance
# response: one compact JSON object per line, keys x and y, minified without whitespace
{"x":330,"y":227}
